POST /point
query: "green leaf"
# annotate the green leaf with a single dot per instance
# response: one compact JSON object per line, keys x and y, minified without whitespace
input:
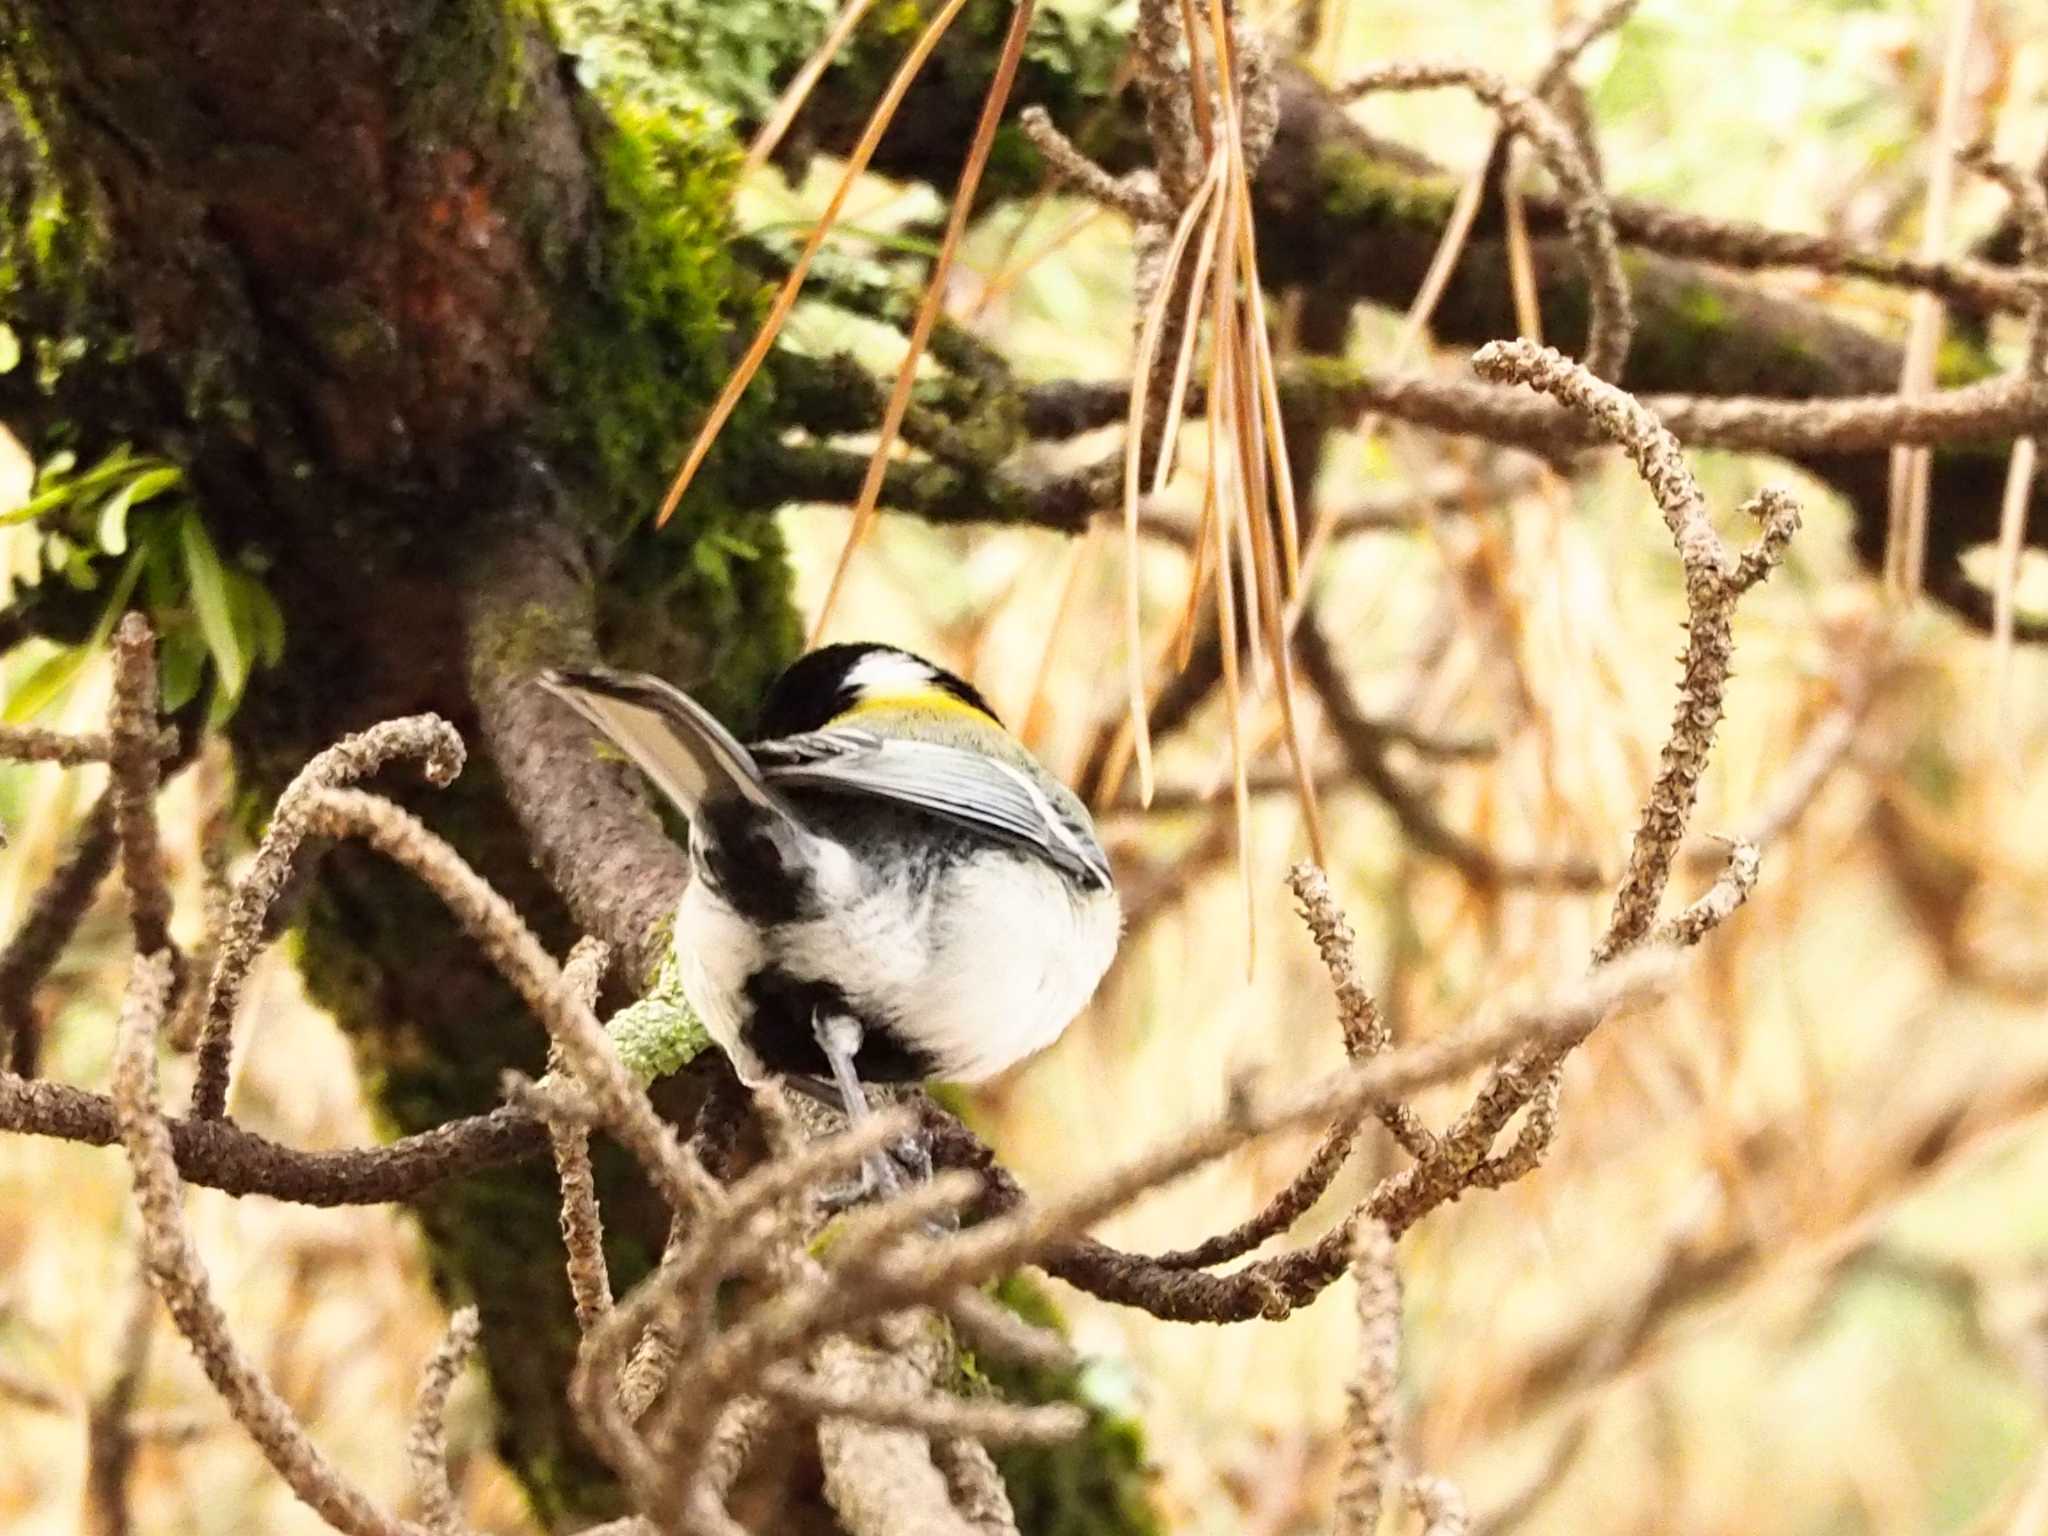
{"x":10,"y":349}
{"x":113,"y":519}
{"x":180,"y":666}
{"x":710,"y":563}
{"x":46,"y":681}
{"x":213,"y":605}
{"x":56,"y":673}
{"x":263,"y":620}
{"x":78,"y":570}
{"x":55,"y":490}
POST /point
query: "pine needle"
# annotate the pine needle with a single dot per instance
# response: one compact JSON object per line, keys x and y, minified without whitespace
{"x":800,"y":88}
{"x":785,"y":299}
{"x":1911,"y":467}
{"x":933,"y":304}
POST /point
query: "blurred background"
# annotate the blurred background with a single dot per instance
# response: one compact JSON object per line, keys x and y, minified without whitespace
{"x":1786,"y":1266}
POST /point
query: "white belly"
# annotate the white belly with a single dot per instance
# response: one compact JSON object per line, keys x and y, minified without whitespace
{"x":1016,"y":954}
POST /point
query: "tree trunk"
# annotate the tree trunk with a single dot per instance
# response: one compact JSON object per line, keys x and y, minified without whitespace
{"x":416,"y":314}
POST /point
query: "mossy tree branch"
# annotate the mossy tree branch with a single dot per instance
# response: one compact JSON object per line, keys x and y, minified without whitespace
{"x":1346,"y":213}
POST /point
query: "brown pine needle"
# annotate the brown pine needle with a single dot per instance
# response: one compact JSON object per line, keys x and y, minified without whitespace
{"x":785,"y":300}
{"x":1176,"y":403}
{"x":1014,"y":270}
{"x":2012,"y":536}
{"x":1184,"y":636}
{"x":1134,"y":447}
{"x":1226,"y":620}
{"x":1205,"y":128}
{"x":1077,"y":558}
{"x":800,"y":88}
{"x":1521,"y":258}
{"x":1275,"y":423}
{"x":933,"y":304}
{"x":1911,"y":467}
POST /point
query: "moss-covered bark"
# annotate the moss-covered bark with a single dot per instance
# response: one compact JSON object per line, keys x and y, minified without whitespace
{"x":346,"y":263}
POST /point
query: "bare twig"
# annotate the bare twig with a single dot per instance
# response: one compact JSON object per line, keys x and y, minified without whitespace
{"x":31,"y":744}
{"x":1269,"y":1289}
{"x":1365,"y":1036}
{"x":1837,"y":426}
{"x":426,"y":738}
{"x":132,"y":761}
{"x":489,"y":919}
{"x":1367,"y":748}
{"x":992,"y":1423}
{"x":1135,"y":196}
{"x":181,"y":1279}
{"x":582,"y":1226}
{"x":222,"y":1156}
{"x":1714,"y":578}
{"x":59,"y":907}
{"x":1370,"y":1452}
{"x":426,"y":1447}
{"x":110,"y":1435}
{"x":1612,"y":318}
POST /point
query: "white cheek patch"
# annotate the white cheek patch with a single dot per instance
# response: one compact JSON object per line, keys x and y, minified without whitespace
{"x":880,"y":673}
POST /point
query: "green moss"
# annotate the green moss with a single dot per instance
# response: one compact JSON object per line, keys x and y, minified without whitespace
{"x":1701,"y":308}
{"x":1355,"y":186}
{"x":728,"y":58}
{"x":642,"y":345}
{"x":465,"y":69}
{"x":1962,"y":360}
{"x":47,"y":250}
{"x":1096,"y":1485}
{"x":639,"y":349}
{"x":660,"y":1032}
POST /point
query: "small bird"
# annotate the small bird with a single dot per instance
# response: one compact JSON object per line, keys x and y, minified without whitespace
{"x":887,"y":886}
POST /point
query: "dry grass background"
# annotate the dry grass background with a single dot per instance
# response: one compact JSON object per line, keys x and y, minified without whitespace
{"x":1786,"y":1267}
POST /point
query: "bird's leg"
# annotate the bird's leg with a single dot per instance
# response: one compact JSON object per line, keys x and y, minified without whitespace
{"x":839,"y":1038}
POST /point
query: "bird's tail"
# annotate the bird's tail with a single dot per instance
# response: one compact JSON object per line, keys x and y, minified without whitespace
{"x":669,"y":736}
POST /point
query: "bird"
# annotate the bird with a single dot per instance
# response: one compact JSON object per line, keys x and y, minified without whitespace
{"x":886,"y":885}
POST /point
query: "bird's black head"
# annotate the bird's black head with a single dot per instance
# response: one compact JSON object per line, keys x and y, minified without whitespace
{"x":820,"y":687}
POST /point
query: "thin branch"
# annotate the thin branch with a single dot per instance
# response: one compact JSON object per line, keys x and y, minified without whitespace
{"x":1370,"y":1453}
{"x":426,"y":1447}
{"x":582,"y":1226}
{"x":52,"y":918}
{"x":220,"y":1155}
{"x":1365,"y":1036}
{"x":1366,"y":747}
{"x":181,"y":1280}
{"x":251,"y":914}
{"x":132,"y":761}
{"x":31,"y":744}
{"x":1611,"y":318}
{"x":1270,"y":1288}
{"x":993,"y":1423}
{"x":1838,"y":426}
{"x":110,"y":1435}
{"x":490,"y":920}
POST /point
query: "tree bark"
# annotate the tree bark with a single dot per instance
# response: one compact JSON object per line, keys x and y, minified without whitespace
{"x":409,"y":306}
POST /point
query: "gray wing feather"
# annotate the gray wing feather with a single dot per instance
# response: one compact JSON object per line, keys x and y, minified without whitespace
{"x":669,"y":736}
{"x":966,"y":787}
